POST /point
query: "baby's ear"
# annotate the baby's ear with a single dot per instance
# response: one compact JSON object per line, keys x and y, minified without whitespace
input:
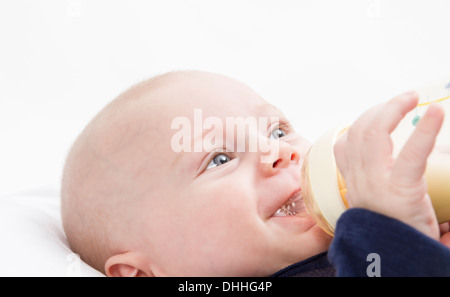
{"x":127,"y":264}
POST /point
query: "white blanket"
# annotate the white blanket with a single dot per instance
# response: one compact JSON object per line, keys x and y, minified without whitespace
{"x":32,"y":237}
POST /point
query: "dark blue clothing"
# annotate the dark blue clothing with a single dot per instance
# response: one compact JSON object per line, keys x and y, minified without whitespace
{"x":401,"y":250}
{"x":315,"y":266}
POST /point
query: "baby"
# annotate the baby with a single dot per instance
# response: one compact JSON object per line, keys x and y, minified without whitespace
{"x":143,"y":196}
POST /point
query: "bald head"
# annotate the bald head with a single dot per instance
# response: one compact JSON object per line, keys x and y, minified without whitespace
{"x":123,"y":160}
{"x":107,"y":170}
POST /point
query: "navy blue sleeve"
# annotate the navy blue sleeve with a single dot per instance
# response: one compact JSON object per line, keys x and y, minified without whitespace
{"x":365,"y":241}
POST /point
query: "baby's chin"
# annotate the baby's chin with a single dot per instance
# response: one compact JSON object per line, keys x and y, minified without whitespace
{"x":303,"y":231}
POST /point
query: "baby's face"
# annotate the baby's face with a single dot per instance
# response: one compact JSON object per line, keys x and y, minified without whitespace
{"x":216,"y":207}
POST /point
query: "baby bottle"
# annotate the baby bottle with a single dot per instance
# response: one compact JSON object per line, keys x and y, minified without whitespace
{"x":323,"y":186}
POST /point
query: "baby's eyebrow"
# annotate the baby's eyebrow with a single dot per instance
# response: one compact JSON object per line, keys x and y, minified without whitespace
{"x":267,"y":108}
{"x":192,"y":159}
{"x":187,"y":162}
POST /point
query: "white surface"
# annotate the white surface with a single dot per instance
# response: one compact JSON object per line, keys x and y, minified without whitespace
{"x":33,"y":241}
{"x":321,"y":62}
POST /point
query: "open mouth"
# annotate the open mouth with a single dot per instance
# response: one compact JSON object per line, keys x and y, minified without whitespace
{"x":293,"y":206}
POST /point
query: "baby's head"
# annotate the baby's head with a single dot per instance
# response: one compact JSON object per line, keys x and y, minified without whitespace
{"x":163,"y":181}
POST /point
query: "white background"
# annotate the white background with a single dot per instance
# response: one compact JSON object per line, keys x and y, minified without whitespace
{"x":321,"y":62}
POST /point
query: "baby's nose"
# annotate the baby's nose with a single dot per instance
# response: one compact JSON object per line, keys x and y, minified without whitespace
{"x":286,"y":156}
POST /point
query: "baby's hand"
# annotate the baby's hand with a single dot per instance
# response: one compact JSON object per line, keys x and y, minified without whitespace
{"x":445,"y":234}
{"x":378,"y":182}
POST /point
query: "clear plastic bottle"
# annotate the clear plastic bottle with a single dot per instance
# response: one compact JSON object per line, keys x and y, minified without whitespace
{"x":323,"y":186}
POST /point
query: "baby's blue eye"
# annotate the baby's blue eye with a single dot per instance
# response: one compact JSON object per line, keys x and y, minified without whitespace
{"x":219,"y":159}
{"x":277,"y":133}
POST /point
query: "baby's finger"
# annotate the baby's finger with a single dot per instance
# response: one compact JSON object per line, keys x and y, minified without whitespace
{"x":411,"y":162}
{"x":377,"y":141}
{"x":394,"y":111}
{"x":445,"y":240}
{"x":356,"y":134}
{"x":444,"y":228}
